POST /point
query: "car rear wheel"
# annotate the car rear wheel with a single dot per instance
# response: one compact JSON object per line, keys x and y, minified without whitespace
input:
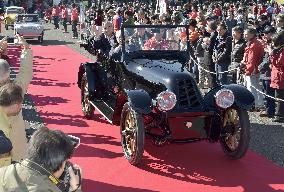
{"x":87,"y":108}
{"x":132,"y":134}
{"x":235,"y":134}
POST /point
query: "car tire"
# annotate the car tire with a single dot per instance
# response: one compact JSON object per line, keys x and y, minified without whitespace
{"x":132,"y":141}
{"x":241,"y":132}
{"x":87,"y":108}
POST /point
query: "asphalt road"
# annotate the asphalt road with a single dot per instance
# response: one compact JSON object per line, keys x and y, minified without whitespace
{"x":267,"y":137}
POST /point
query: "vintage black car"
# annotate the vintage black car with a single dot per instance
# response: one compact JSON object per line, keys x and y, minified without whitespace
{"x":146,"y":88}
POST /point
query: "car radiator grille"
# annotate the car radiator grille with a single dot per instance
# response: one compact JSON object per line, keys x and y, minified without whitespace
{"x":187,"y":95}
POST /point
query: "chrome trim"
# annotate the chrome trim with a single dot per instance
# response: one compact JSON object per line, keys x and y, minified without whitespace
{"x":101,"y":112}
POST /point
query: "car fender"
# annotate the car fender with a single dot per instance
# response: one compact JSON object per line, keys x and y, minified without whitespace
{"x":140,"y":100}
{"x":89,"y":70}
{"x":243,"y":97}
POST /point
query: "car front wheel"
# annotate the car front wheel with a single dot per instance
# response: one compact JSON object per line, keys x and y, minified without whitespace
{"x":235,"y":134}
{"x":87,"y":108}
{"x":132,"y":134}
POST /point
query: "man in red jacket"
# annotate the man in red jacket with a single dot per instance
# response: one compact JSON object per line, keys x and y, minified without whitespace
{"x":252,"y":58}
{"x":64,"y":15}
{"x":74,"y":20}
{"x":55,"y":15}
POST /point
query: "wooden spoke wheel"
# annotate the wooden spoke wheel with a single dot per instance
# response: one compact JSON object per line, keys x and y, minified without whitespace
{"x":132,"y":134}
{"x":235,"y":134}
{"x":87,"y":108}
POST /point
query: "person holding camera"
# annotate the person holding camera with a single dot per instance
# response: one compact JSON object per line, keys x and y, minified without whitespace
{"x":46,"y":167}
{"x":23,"y":78}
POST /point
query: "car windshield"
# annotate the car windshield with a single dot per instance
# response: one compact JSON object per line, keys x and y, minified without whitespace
{"x":15,"y":11}
{"x":27,"y":18}
{"x":149,"y":37}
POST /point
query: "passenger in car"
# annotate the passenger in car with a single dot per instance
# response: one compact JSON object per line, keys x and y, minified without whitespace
{"x":106,"y":42}
{"x":136,"y":41}
{"x":157,"y":42}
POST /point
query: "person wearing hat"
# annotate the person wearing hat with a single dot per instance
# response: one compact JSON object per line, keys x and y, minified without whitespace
{"x":265,"y":72}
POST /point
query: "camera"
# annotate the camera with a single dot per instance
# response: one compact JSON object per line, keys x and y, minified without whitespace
{"x":65,"y":177}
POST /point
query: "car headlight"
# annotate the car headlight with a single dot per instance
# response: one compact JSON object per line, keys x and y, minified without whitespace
{"x":224,"y":98}
{"x":166,"y":100}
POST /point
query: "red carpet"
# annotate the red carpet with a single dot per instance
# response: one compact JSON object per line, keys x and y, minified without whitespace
{"x":198,"y":167}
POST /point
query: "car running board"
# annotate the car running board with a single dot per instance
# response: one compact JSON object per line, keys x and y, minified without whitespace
{"x":104,"y":110}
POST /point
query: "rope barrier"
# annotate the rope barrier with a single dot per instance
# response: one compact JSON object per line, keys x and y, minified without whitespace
{"x":196,"y":63}
{"x":276,"y":99}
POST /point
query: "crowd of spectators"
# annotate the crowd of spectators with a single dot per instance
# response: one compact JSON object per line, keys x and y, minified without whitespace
{"x":239,"y":42}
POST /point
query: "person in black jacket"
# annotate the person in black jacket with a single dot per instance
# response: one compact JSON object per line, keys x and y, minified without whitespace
{"x":265,"y":73}
{"x":211,"y":29}
{"x":5,"y":144}
{"x":222,"y":53}
{"x":106,"y":42}
{"x":238,"y":50}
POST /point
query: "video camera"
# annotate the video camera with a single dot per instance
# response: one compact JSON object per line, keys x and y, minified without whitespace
{"x":65,"y":177}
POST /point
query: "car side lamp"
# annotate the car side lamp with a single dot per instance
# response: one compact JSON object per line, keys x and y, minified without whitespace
{"x":166,"y":100}
{"x":224,"y":98}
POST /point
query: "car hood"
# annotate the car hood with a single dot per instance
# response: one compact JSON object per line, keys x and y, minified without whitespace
{"x":167,"y":73}
{"x":155,"y":76}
